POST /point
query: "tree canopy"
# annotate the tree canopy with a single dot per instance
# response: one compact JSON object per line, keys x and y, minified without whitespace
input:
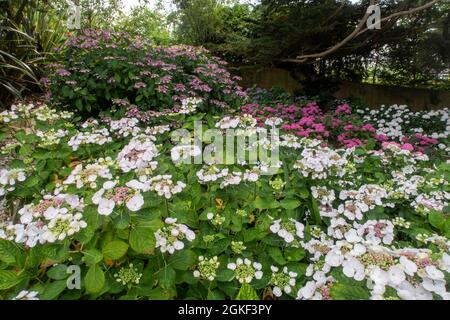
{"x":411,"y":48}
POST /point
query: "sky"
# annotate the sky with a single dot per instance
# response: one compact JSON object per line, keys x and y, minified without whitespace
{"x":131,"y":3}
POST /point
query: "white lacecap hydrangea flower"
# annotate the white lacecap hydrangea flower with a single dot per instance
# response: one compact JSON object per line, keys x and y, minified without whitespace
{"x":87,"y":175}
{"x":288,"y":229}
{"x":211,"y":173}
{"x":323,"y":194}
{"x":184,"y":152}
{"x":9,"y":178}
{"x":316,"y":289}
{"x":319,"y":162}
{"x":273,"y":121}
{"x":282,"y":281}
{"x":27,"y":295}
{"x":189,"y":105}
{"x":52,"y":219}
{"x":231,"y":179}
{"x":111,"y":195}
{"x":245,"y":270}
{"x":97,"y":136}
{"x":125,"y":127}
{"x":290,"y":141}
{"x":377,"y":231}
{"x":207,"y":268}
{"x":245,"y":121}
{"x":51,"y":137}
{"x":138,"y":154}
{"x":157,"y":130}
{"x":128,"y":276}
{"x":164,"y":186}
{"x":170,"y":237}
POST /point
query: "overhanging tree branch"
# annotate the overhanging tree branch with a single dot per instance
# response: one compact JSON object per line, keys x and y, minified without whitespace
{"x":360,"y":29}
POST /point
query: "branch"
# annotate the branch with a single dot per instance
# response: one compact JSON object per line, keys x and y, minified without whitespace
{"x":360,"y":29}
{"x":336,"y":12}
{"x":404,"y":13}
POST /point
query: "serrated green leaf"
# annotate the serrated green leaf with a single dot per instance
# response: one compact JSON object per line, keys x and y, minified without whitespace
{"x":436,"y":219}
{"x":247,"y":293}
{"x":142,"y":236}
{"x":8,"y":252}
{"x":182,"y":260}
{"x":290,"y":204}
{"x":315,"y":211}
{"x":53,"y":290}
{"x":95,"y":279}
{"x":9,"y":279}
{"x":348,"y":292}
{"x":115,"y":250}
{"x":276,"y":254}
{"x":92,"y":256}
{"x":58,"y":272}
{"x":265,"y":203}
{"x":166,"y":278}
{"x":225,"y":275}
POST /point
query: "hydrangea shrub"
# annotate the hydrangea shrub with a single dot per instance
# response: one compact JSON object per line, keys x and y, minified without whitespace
{"x":109,"y":197}
{"x":100,"y":70}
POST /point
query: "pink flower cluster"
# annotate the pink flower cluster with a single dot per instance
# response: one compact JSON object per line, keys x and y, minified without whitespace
{"x":406,"y":146}
{"x":310,"y":121}
{"x":340,"y":128}
{"x":420,"y":142}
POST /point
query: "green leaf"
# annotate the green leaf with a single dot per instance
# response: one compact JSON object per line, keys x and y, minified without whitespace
{"x":58,"y":272}
{"x":122,"y":222}
{"x":20,"y":136}
{"x":8,"y":252}
{"x":158,"y":294}
{"x":290,"y":204}
{"x":295,"y":254}
{"x":219,"y":246}
{"x":53,"y":290}
{"x":92,"y":256}
{"x":9,"y":279}
{"x":315,"y":211}
{"x":251,"y":234}
{"x":142,"y":236}
{"x":25,"y":150}
{"x":436,"y":219}
{"x":95,"y":279}
{"x":142,"y":240}
{"x":115,"y":250}
{"x":182,"y":260}
{"x":32,"y":181}
{"x":276,"y":254}
{"x":303,"y":192}
{"x":265,"y":203}
{"x":225,"y":275}
{"x":166,"y":278}
{"x":447,"y":228}
{"x":93,"y":220}
{"x":348,"y":292}
{"x":247,"y":293}
{"x":215,"y":295}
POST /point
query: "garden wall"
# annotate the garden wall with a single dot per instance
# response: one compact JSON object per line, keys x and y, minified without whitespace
{"x":373,"y":95}
{"x":376,"y":95}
